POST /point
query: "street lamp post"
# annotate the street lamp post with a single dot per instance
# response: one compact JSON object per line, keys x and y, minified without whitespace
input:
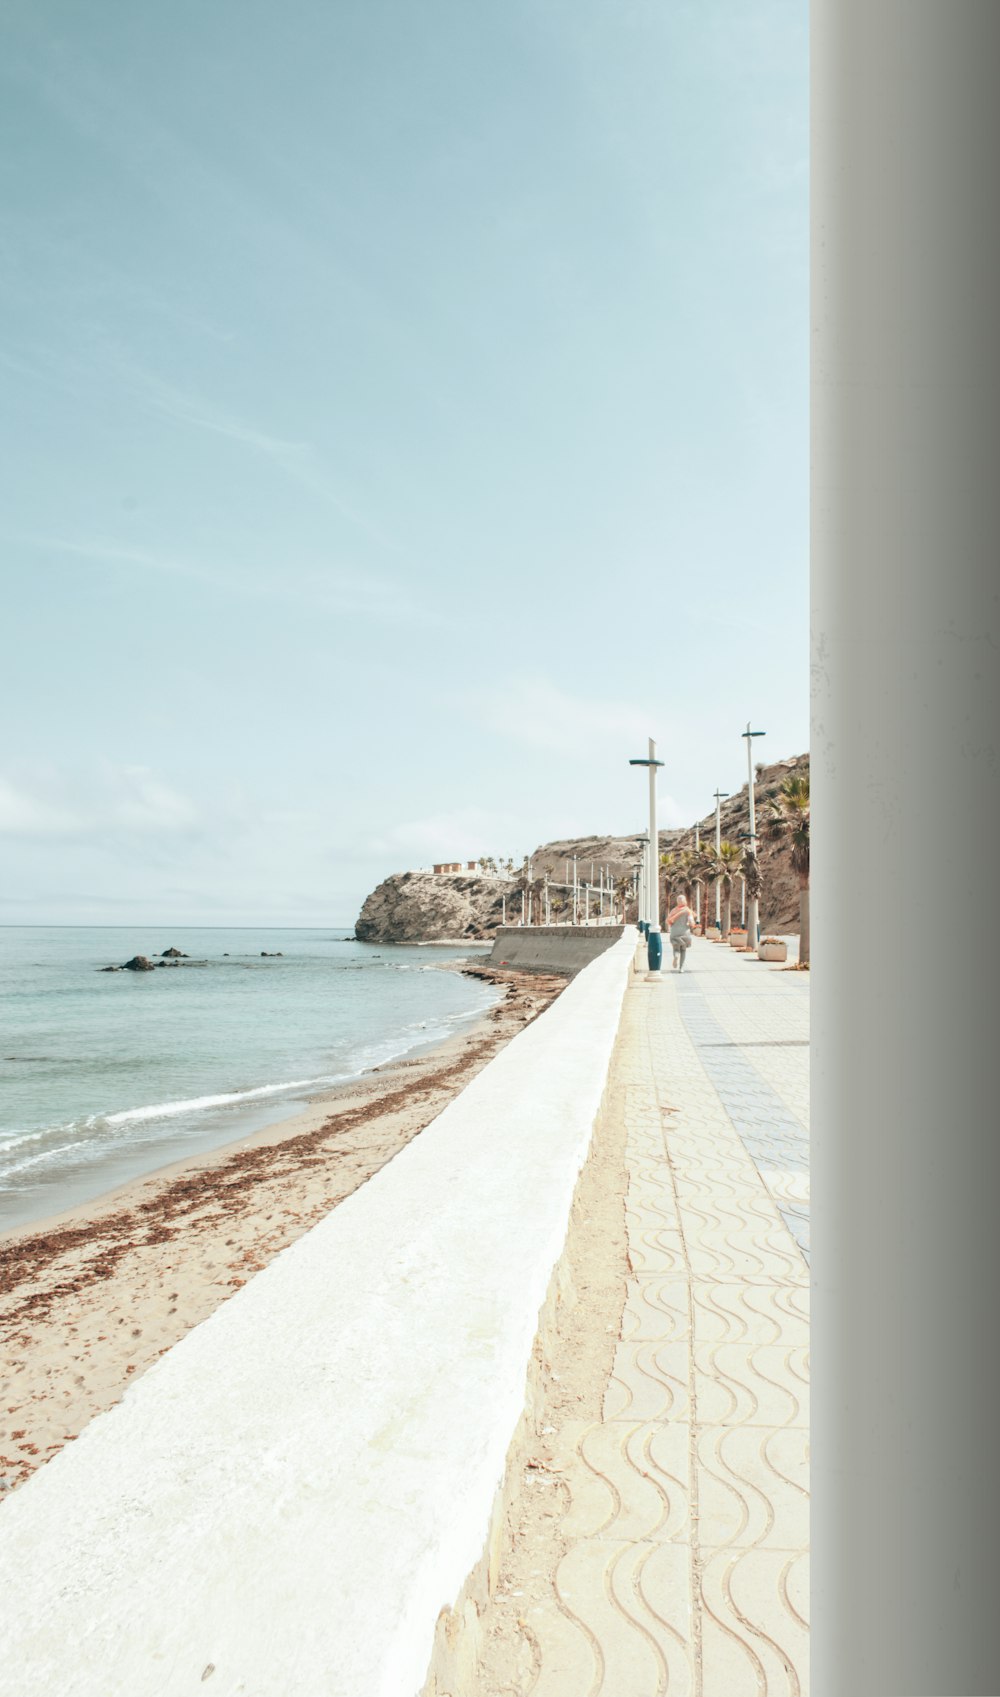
{"x":697,"y":887}
{"x":654,"y":942}
{"x":640,"y":874}
{"x":752,"y":924}
{"x":718,"y":844}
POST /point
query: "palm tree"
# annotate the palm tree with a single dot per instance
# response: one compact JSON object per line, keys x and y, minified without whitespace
{"x":537,"y":893}
{"x":788,"y":822}
{"x":702,"y":861}
{"x":525,"y":888}
{"x":672,"y":869}
{"x":753,"y":882}
{"x":690,"y":868}
{"x":727,"y":861}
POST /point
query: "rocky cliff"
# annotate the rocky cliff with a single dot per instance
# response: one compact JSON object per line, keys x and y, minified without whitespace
{"x":424,"y":907}
{"x":421,"y":907}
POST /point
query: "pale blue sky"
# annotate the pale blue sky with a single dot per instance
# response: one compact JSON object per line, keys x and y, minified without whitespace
{"x":404,"y":414}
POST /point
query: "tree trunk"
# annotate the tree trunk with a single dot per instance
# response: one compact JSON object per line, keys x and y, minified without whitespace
{"x":751,"y":922}
{"x":727,"y":912}
{"x":803,"y":924}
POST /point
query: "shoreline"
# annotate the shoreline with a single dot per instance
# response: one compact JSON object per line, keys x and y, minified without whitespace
{"x":91,"y":1296}
{"x":254,"y":1111}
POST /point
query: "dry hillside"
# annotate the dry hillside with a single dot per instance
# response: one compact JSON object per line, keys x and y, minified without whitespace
{"x":413,"y":907}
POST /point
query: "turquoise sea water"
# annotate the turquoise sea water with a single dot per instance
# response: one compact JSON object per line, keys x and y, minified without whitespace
{"x":106,"y":1076}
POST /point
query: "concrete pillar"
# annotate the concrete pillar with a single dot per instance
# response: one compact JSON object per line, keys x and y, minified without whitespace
{"x":906,"y":661}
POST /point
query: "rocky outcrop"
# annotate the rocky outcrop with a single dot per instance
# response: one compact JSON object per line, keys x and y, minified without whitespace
{"x":427,"y":907}
{"x":142,"y":963}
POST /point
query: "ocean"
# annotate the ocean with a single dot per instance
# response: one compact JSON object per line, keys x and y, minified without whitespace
{"x":105,"y":1077}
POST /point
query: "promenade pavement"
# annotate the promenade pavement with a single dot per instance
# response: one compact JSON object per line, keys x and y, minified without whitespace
{"x":687,"y":1519}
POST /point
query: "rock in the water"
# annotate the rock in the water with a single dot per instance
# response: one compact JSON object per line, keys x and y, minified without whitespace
{"x":139,"y":963}
{"x":109,"y":969}
{"x":173,"y":954}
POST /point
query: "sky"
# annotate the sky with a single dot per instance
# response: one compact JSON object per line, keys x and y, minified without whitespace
{"x":403,"y":416}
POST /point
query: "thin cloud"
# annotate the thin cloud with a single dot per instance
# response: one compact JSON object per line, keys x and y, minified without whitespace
{"x":537,"y":713}
{"x":297,"y":460}
{"x":25,"y":815}
{"x":464,"y":834}
{"x":129,"y":799}
{"x":336,"y":589}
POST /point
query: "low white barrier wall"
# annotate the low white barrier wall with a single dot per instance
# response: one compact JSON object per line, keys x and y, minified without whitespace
{"x":283,"y":1504}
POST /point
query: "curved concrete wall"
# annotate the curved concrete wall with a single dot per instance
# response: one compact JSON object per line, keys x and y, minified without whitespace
{"x":286,"y":1501}
{"x":552,"y":948}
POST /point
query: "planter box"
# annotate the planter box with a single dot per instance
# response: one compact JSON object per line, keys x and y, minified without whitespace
{"x":737,"y":939}
{"x":772,"y":951}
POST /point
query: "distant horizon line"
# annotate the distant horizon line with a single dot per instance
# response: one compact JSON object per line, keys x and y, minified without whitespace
{"x":179,"y":924}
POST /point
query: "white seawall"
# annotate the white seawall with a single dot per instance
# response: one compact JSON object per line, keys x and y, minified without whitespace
{"x":285,"y":1502}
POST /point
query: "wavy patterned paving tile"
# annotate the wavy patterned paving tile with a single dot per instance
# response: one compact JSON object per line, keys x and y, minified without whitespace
{"x":687,"y":1503}
{"x":656,"y":1192}
{"x":752,"y":1217}
{"x":753,"y":1487}
{"x":763,"y":1385}
{"x":626,"y":1480}
{"x":657,"y":1309}
{"x":713,"y":1176}
{"x":786,"y":1185}
{"x":648,"y":1213}
{"x":655,"y":1251}
{"x":722,"y":1261}
{"x":753,"y":1230}
{"x":758,"y":1314}
{"x":649,"y":1381}
{"x":621,"y":1625}
{"x":754,"y":1639}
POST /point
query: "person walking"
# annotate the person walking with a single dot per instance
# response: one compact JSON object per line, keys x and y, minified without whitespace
{"x":680,"y":919}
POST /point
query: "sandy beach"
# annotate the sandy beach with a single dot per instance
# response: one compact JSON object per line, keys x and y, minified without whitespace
{"x":90,"y":1298}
